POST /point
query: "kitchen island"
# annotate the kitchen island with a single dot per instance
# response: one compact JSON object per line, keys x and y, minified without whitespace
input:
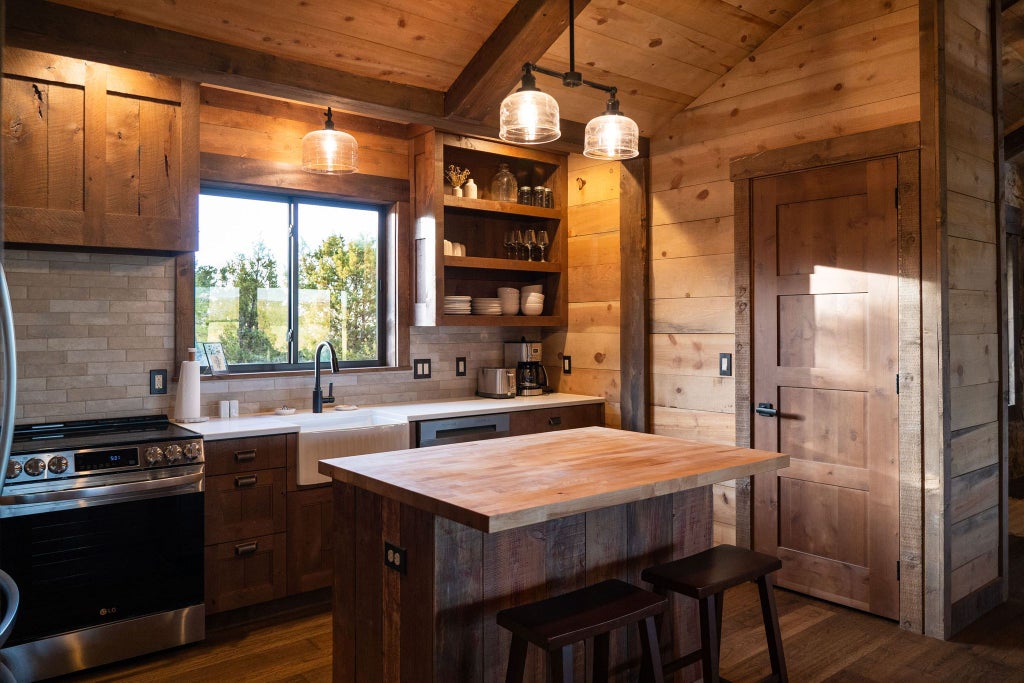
{"x":472,"y":528}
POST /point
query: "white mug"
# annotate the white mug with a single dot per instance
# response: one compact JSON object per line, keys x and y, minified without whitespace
{"x":225,"y":408}
{"x":233,"y":405}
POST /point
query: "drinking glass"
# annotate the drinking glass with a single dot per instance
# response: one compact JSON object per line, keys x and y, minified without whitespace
{"x":510,"y":244}
{"x":530,"y":239}
{"x":542,"y":243}
{"x":520,"y":243}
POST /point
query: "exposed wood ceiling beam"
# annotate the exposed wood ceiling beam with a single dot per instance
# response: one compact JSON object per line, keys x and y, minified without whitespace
{"x":59,"y":29}
{"x":1013,"y":144}
{"x":524,"y":35}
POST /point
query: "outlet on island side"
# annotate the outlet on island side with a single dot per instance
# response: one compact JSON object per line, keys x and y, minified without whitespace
{"x":395,"y":557}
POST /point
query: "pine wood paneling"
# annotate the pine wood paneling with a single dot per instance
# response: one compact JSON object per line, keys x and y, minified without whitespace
{"x":973,"y":449}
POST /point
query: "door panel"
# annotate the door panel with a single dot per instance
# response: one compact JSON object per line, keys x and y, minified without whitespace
{"x":825,"y":354}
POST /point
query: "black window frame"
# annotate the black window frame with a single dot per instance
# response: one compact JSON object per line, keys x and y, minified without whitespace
{"x":293,"y":199}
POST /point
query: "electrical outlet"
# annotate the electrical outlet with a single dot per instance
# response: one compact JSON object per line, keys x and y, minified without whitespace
{"x":725,"y":364}
{"x":460,"y":366}
{"x":395,"y":558}
{"x":567,"y":365}
{"x":158,"y":381}
{"x":421,"y":368}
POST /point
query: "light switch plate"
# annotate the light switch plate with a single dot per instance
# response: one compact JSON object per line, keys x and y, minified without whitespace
{"x":567,"y":365}
{"x":421,"y":368}
{"x":460,"y":366}
{"x":725,"y":364}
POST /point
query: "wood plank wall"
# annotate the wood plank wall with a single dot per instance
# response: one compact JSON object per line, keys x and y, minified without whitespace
{"x":591,"y":338}
{"x":835,"y":69}
{"x":974,"y":372}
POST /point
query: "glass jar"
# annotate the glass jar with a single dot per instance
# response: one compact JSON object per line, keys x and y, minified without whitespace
{"x":503,"y":185}
{"x":525,"y":195}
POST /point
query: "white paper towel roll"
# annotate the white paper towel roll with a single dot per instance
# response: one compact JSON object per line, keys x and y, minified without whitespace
{"x":186,"y":403}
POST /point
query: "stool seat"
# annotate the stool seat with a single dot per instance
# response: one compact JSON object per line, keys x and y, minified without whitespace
{"x":555,"y":623}
{"x":712,"y":571}
{"x":705,"y":577}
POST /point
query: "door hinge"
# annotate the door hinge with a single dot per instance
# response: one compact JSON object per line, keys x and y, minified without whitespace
{"x":897,"y":384}
{"x":897,"y":570}
{"x":896,"y":193}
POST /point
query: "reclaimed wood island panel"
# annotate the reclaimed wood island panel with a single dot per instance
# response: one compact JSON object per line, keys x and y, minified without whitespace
{"x":487,"y":525}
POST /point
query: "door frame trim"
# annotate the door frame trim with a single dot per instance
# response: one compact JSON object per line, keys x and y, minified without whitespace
{"x":903,"y":142}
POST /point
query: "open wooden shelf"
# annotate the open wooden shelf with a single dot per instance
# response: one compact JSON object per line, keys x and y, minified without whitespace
{"x":502,"y":264}
{"x":501,"y":320}
{"x":506,"y":208}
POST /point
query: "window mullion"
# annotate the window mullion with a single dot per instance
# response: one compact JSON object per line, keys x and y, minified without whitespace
{"x":293,"y":282}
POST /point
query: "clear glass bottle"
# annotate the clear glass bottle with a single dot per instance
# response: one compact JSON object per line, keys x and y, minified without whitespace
{"x":503,"y":185}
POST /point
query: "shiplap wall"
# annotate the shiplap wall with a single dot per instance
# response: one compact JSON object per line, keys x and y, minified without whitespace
{"x":591,"y":338}
{"x":835,"y":69}
{"x":972,"y":306}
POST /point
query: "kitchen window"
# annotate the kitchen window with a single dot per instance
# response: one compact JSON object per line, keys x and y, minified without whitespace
{"x":277,"y":274}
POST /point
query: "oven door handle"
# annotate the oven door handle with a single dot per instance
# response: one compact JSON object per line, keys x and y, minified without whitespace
{"x":94,"y":494}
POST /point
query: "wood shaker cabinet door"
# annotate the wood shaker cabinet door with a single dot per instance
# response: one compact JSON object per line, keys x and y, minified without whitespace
{"x":245,"y":455}
{"x":244,"y":505}
{"x":553,"y":419}
{"x":310,"y":539}
{"x":244,"y":572}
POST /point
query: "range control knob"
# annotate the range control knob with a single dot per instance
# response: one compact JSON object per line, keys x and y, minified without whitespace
{"x":154,"y":455}
{"x":173,"y":453}
{"x":58,"y":464}
{"x":34,"y":467}
{"x":13,"y":469}
{"x":193,"y":450}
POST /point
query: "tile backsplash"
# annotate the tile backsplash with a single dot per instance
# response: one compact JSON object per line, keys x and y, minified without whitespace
{"x":90,"y":327}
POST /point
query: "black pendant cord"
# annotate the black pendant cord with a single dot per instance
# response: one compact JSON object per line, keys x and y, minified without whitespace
{"x":572,"y":36}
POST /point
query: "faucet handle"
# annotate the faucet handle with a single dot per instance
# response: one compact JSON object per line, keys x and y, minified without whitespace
{"x":329,"y":398}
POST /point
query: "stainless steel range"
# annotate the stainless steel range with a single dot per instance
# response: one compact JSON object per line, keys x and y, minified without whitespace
{"x":101,"y":526}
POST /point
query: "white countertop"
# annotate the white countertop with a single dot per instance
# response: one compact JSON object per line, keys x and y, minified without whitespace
{"x":266,"y":424}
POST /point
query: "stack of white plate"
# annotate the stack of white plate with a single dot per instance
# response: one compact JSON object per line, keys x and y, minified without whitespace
{"x":485,"y":306}
{"x":458,"y":305}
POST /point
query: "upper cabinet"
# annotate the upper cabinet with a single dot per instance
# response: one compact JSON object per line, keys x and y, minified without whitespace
{"x":98,"y":156}
{"x":481,"y":225}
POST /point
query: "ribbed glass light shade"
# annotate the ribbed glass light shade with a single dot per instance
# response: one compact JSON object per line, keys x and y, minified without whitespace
{"x":329,"y":151}
{"x":611,"y":136}
{"x":529,"y":116}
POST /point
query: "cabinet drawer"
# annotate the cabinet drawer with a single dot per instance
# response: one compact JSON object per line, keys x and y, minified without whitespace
{"x":244,"y":505}
{"x":552,"y":419}
{"x":245,"y":455}
{"x":244,"y":572}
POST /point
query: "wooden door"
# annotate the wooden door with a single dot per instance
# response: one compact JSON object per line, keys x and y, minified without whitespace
{"x":825,"y":356}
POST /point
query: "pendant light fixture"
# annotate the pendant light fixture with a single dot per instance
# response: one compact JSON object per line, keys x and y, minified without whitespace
{"x":329,"y":151}
{"x":530,"y":116}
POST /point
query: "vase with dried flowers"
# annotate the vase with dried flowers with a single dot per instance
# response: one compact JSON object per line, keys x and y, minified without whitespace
{"x":457,"y":177}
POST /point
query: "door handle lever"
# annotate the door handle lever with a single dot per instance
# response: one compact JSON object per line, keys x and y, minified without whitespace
{"x":766,"y":410}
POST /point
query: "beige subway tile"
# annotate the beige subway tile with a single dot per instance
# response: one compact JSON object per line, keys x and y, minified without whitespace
{"x":78,"y":306}
{"x":73,"y":382}
{"x":120,"y":259}
{"x":34,"y":384}
{"x":76,"y":343}
{"x":138,"y":306}
{"x":18,"y":292}
{"x":119,"y":294}
{"x":137,"y":343}
{"x":67,"y":259}
{"x":139,"y":270}
{"x":44,"y":396}
{"x":15,"y":254}
{"x":151,"y":283}
{"x":150,"y":319}
{"x":161,"y":330}
{"x":59,"y":369}
{"x":153,"y":358}
{"x":115,"y":406}
{"x":27,"y":357}
{"x":157,"y":294}
{"x":96,"y":393}
{"x":97,"y":318}
{"x":54,"y":411}
{"x":128,"y":379}
{"x":108,"y":368}
{"x":47,"y":293}
{"x":96,"y":356}
{"x":61,"y":319}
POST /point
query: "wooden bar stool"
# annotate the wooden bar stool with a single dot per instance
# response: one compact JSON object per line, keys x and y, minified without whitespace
{"x":704,"y":577}
{"x":554,"y":624}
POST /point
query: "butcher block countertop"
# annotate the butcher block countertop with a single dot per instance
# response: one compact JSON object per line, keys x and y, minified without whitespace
{"x":512,"y":482}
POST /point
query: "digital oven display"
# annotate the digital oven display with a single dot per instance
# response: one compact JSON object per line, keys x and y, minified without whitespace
{"x":105,"y":460}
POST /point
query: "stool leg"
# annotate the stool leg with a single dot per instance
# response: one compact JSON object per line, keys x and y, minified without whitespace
{"x":650,"y":669}
{"x":709,"y":638}
{"x":719,"y":605}
{"x":516,"y":660}
{"x":561,"y":664}
{"x":600,"y":660}
{"x":771,"y":627}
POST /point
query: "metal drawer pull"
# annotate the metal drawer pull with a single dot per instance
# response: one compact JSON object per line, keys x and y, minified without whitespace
{"x":245,"y":456}
{"x":554,"y":421}
{"x":243,"y":549}
{"x":247,"y":480}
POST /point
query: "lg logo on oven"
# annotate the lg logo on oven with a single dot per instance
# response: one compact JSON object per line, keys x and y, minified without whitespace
{"x":108,"y":611}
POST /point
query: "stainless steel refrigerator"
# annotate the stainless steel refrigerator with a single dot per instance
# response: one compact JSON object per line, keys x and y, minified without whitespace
{"x":9,"y":597}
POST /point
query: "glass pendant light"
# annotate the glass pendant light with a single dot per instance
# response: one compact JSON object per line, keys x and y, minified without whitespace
{"x":529,"y":115}
{"x":329,"y":151}
{"x":611,"y":135}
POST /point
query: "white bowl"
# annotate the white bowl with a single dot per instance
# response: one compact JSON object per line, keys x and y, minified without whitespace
{"x":531,"y":309}
{"x":530,"y":289}
{"x":508,"y":291}
{"x":510,"y":307}
{"x":528,"y":299}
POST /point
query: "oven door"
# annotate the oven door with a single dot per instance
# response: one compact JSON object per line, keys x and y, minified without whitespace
{"x":101,"y":563}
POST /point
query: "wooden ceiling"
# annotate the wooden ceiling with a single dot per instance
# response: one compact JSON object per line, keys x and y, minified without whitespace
{"x":420,"y":61}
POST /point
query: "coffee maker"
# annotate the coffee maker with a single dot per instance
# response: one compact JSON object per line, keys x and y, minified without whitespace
{"x":524,"y":356}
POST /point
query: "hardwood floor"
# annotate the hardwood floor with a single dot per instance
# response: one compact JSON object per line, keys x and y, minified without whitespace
{"x":823,"y":642}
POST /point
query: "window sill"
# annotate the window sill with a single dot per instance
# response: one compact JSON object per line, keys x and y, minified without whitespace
{"x":303,"y":373}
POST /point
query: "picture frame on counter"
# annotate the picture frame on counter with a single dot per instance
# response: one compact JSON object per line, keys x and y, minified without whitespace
{"x":204,"y":362}
{"x":215,"y":356}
